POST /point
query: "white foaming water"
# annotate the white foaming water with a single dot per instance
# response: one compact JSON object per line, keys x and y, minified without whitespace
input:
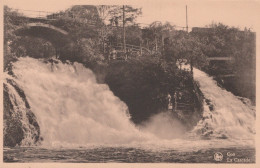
{"x":164,"y":126}
{"x":73,"y":109}
{"x":230,"y":117}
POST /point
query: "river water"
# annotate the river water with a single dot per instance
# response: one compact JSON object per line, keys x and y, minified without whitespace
{"x":82,"y":121}
{"x":125,"y":155}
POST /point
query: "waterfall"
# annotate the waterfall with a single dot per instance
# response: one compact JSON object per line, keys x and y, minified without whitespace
{"x":71,"y":108}
{"x":228,"y":116}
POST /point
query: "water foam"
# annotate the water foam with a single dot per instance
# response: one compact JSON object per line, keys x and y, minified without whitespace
{"x":73,"y":109}
{"x":230,"y":117}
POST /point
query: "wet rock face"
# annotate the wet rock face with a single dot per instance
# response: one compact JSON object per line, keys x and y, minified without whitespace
{"x":13,"y":133}
{"x":19,"y":121}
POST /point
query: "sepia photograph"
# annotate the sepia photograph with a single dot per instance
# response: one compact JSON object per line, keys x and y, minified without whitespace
{"x":129,"y":82}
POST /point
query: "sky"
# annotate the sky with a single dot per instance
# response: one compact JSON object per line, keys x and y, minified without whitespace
{"x":200,"y":13}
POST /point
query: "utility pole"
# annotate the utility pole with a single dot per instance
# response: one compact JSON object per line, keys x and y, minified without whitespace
{"x":187,"y":28}
{"x":124,"y":45}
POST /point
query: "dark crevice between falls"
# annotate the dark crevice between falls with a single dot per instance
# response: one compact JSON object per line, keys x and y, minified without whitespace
{"x":145,"y":88}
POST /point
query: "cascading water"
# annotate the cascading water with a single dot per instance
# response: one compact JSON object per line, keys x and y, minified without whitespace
{"x":229,"y":118}
{"x":73,"y":109}
{"x":19,"y":120}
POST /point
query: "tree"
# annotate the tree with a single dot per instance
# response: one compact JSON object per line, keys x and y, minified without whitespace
{"x":182,"y":45}
{"x":156,"y":28}
{"x":10,"y":39}
{"x":223,"y":41}
{"x":84,"y":13}
{"x":156,"y":33}
{"x":116,"y":14}
{"x":133,"y":35}
{"x":125,"y":14}
{"x":103,"y":12}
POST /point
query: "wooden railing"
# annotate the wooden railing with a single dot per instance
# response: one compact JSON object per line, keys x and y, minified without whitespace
{"x":132,"y":48}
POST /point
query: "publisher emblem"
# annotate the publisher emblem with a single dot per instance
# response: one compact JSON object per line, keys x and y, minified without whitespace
{"x":218,"y":156}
